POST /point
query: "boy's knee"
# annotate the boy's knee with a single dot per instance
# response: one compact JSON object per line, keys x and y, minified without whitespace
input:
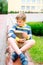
{"x":33,"y":41}
{"x":10,"y":40}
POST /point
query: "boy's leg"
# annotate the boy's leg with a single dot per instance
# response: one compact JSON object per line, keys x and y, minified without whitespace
{"x":28,"y":45}
{"x":10,"y":49}
{"x":13,"y":43}
{"x":18,"y":51}
{"x":10,"y":62}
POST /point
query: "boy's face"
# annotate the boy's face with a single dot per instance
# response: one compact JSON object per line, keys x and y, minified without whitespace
{"x":20,"y":22}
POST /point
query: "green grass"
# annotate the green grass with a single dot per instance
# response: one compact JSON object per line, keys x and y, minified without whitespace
{"x":36,"y":51}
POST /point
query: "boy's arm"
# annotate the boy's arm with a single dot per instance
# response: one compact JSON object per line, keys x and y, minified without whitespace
{"x":12,"y":34}
{"x":29,"y":35}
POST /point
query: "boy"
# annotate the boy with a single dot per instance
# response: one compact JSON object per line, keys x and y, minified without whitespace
{"x":18,"y":45}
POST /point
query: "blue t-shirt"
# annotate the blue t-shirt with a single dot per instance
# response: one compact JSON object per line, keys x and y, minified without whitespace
{"x":25,"y":28}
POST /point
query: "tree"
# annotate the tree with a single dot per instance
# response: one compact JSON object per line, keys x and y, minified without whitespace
{"x":3,"y":7}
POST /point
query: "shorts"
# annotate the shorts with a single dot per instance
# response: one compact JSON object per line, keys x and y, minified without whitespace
{"x":20,"y":44}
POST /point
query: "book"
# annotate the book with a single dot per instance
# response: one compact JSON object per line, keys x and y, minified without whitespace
{"x":19,"y":33}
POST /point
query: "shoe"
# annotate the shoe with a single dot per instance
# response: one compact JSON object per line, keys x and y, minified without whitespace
{"x":23,"y":59}
{"x":14,"y":56}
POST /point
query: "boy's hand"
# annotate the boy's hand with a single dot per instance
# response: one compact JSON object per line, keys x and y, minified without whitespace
{"x":21,"y":40}
{"x":25,"y":35}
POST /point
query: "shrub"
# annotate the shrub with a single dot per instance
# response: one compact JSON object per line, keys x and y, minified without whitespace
{"x":14,"y":12}
{"x":37,"y":28}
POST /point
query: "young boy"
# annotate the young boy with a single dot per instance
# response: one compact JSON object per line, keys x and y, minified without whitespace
{"x":18,"y":45}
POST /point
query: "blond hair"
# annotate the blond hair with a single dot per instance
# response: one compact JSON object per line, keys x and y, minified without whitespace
{"x":21,"y":15}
